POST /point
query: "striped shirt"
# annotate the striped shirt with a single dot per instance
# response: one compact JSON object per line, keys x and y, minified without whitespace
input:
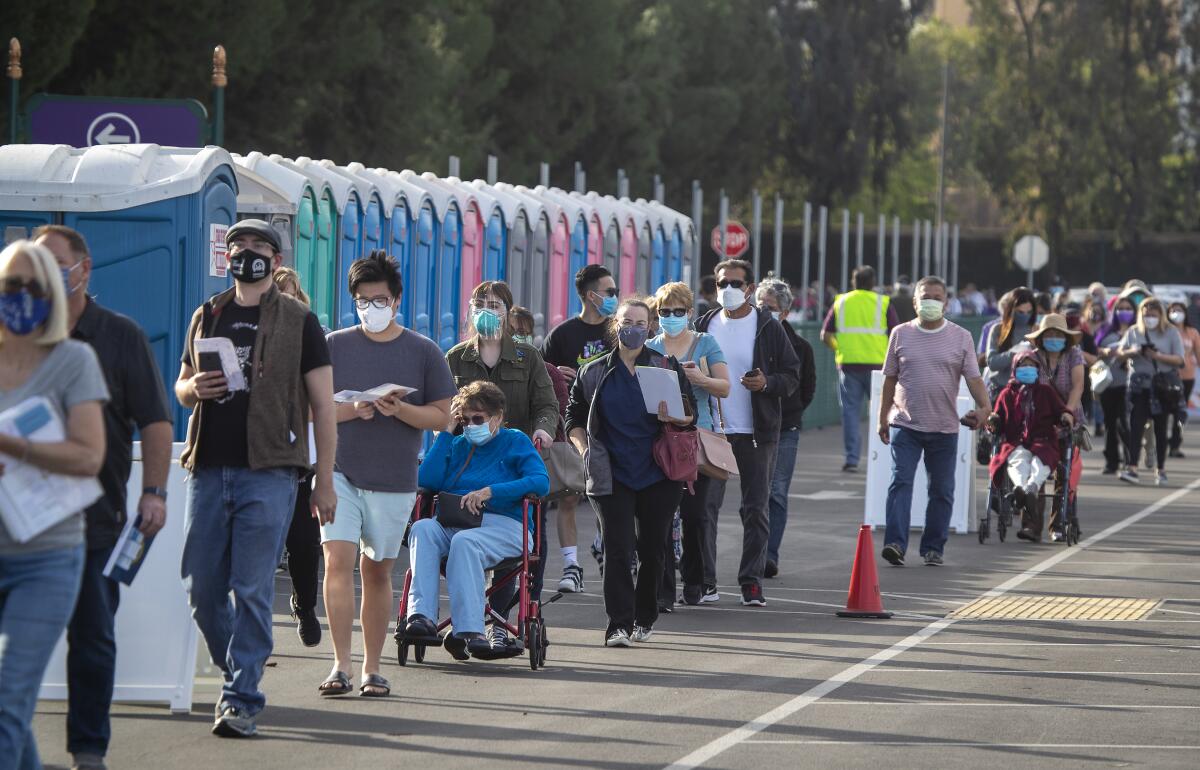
{"x":927,"y":366}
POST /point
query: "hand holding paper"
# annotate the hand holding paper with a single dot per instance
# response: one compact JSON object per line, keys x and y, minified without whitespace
{"x":372,"y":395}
{"x":658,"y":386}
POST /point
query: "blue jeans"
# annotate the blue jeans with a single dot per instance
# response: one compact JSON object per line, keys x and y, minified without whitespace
{"x":853,"y":388}
{"x":940,"y":450}
{"x":92,"y":657}
{"x":235,"y":525}
{"x":468,"y":552}
{"x":37,"y":596}
{"x":781,"y":482}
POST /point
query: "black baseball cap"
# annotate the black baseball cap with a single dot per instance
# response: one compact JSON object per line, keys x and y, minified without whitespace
{"x":255,"y":227}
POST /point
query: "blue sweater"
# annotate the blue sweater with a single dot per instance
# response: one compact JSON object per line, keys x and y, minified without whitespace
{"x":508,"y":464}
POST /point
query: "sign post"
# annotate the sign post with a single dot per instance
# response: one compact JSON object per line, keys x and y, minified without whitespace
{"x":1032,"y":254}
{"x":737,"y":240}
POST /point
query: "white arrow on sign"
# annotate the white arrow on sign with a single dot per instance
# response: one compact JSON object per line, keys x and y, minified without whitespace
{"x":103,"y":130}
{"x":109,"y":136}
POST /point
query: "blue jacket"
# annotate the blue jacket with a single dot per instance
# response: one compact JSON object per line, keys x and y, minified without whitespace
{"x":508,"y":464}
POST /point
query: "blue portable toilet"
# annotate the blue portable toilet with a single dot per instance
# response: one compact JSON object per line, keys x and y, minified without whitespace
{"x":372,"y":235}
{"x":659,"y":267}
{"x":492,"y":228}
{"x":609,"y":231}
{"x":154,"y":219}
{"x":398,"y":216}
{"x":444,"y":278}
{"x":681,"y":242}
{"x":417,"y":303}
{"x":577,"y":216}
{"x":536,"y":284}
{"x":519,"y":242}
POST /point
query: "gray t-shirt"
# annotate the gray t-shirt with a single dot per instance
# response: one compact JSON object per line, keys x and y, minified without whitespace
{"x":1166,"y":340}
{"x":380,"y":454}
{"x":70,"y":375}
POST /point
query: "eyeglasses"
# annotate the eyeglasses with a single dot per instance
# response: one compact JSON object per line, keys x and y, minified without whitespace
{"x":475,"y":419}
{"x":731,"y":282}
{"x":678,"y":312}
{"x":379,"y":303}
{"x":15,"y":285}
{"x":610,"y":292}
{"x":492,"y":305}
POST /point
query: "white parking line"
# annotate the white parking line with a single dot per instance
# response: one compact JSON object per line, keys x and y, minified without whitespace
{"x":1007,"y":704}
{"x":1023,"y":671}
{"x":981,"y":744}
{"x":812,"y":695}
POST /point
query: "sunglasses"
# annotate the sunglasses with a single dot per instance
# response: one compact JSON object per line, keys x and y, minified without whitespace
{"x":667,"y":312}
{"x":17,"y":285}
{"x":475,"y":419}
{"x":607,"y":292}
{"x":731,"y":282}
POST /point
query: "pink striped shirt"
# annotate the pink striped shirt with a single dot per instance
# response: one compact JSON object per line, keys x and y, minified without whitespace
{"x":927,"y":366}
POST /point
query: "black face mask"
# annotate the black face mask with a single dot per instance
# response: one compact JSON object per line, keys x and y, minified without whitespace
{"x":249,"y":266}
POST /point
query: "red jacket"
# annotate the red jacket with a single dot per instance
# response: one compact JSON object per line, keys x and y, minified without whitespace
{"x":1038,"y":434}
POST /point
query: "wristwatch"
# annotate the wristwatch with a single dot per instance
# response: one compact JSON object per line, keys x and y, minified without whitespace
{"x":159,"y":491}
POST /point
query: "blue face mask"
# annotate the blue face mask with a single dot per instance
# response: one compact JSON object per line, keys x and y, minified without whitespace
{"x":608,"y":306}
{"x":1054,"y":344}
{"x":486,"y":323}
{"x":1021,"y":318}
{"x":478,"y":435}
{"x":672,"y":325}
{"x":1026,"y":375}
{"x":21,"y":312}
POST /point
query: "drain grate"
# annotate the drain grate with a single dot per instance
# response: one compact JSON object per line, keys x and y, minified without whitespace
{"x":1057,"y":608}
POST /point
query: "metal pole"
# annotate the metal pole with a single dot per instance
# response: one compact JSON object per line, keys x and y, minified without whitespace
{"x":454,"y":165}
{"x":928,"y":247}
{"x":858,"y":246}
{"x":659,"y":190}
{"x":895,"y":250}
{"x":1029,"y":257}
{"x":916,"y":254}
{"x":821,"y":264}
{"x":778,"y":236}
{"x":580,"y":184}
{"x":14,"y":87}
{"x":954,"y":257}
{"x":941,"y":188}
{"x":493,"y":169}
{"x":881,"y":239}
{"x":621,"y":182}
{"x":807,"y":250}
{"x":757,"y":200}
{"x":946,"y":251}
{"x":723,"y":222}
{"x":845,"y":250}
{"x":698,"y":223}
{"x":544,"y":175}
{"x":219,"y":81}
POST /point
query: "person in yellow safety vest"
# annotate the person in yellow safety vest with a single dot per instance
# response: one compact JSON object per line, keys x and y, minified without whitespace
{"x":857,"y":330}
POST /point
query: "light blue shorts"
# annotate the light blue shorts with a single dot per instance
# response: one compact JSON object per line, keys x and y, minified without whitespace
{"x":374,"y":520}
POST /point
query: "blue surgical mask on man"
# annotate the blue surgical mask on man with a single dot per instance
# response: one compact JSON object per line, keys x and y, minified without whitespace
{"x":1026,"y":375}
{"x":478,"y":435}
{"x":1054,"y":344}
{"x":608,"y":306}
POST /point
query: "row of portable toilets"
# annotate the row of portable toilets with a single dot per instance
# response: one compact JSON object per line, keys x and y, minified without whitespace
{"x":154,"y":218}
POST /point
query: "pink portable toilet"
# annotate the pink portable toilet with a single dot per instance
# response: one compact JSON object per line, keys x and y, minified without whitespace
{"x":559,"y":257}
{"x":606,"y":218}
{"x":631,"y":224}
{"x":538,"y":257}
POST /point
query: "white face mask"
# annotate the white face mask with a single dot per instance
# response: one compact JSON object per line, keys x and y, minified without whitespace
{"x":731,"y":298}
{"x":1151,"y":322}
{"x":778,"y":315}
{"x":375,"y":319}
{"x":1177,"y":316}
{"x":930,"y":310}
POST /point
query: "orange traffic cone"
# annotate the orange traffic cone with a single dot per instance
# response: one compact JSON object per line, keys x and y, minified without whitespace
{"x":864,"y":600}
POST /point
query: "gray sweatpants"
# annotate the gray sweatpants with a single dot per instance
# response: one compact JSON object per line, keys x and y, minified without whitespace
{"x":756,"y":466}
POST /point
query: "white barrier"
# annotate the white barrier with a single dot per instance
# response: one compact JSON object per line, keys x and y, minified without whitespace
{"x":879,"y":471}
{"x":156,"y":638}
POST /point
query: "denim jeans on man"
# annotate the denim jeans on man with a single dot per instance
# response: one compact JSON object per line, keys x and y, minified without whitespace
{"x":37,"y":595}
{"x":468,"y":552}
{"x":940,"y":451}
{"x":92,"y":657}
{"x":781,"y":482}
{"x":235,"y":525}
{"x":853,"y":388}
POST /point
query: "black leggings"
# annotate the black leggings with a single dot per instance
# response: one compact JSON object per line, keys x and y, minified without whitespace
{"x":1139,"y":413}
{"x":304,"y":549}
{"x":1176,"y":426}
{"x":1116,"y":427}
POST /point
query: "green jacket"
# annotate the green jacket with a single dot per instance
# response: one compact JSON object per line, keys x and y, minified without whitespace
{"x":521,"y":375}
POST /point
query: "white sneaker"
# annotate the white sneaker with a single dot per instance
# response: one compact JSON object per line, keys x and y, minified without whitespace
{"x":710,"y":595}
{"x":618,"y":638}
{"x":572,"y":579}
{"x":642,"y":633}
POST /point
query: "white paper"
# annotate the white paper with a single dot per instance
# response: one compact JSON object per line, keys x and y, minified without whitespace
{"x":658,"y":385}
{"x":223,"y":346}
{"x":127,"y":555}
{"x":374,"y":394}
{"x":33,"y":500}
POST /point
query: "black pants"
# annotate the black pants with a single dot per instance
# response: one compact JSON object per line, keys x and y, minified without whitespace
{"x":635,"y":520}
{"x":1176,"y":426}
{"x":304,"y":549}
{"x":92,"y":657}
{"x":1139,"y":413}
{"x":1116,"y":427}
{"x":756,"y":468}
{"x":695,"y":534}
{"x":503,"y":597}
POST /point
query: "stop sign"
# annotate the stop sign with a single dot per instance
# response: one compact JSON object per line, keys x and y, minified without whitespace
{"x":737,"y":239}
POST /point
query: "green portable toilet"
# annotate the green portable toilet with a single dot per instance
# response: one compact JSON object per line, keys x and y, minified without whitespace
{"x":318,"y":276}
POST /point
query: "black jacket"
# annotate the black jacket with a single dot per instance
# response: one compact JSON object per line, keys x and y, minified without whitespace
{"x":795,"y":404}
{"x":774,"y":355}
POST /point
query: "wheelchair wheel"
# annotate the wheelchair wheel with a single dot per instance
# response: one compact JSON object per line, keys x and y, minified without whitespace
{"x":1001,"y":527}
{"x":419,"y":653}
{"x":984,"y":527}
{"x":533,"y":644}
{"x":402,"y":653}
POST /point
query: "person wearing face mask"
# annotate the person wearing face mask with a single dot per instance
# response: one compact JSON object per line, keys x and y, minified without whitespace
{"x":246,"y":447}
{"x":1153,"y":354}
{"x":704,"y":365}
{"x":376,"y":471}
{"x":1113,"y":399}
{"x":857,"y":330}
{"x":1007,"y":338}
{"x":918,"y":418}
{"x":609,"y":426}
{"x":763,"y":372}
{"x":1177,"y":315}
{"x":569,"y":346}
{"x":985,"y":334}
{"x":40,"y":576}
{"x":493,"y":468}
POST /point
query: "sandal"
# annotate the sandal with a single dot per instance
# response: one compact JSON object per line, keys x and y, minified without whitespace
{"x":381,"y":688}
{"x":338,"y":683}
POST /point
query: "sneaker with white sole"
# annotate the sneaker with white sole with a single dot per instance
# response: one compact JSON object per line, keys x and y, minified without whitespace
{"x":618,"y":637}
{"x":710,"y":595}
{"x":1129,"y":475}
{"x":234,"y":722}
{"x":893,"y":554}
{"x":642,"y":633}
{"x":572,"y":579}
{"x":752,"y":595}
{"x":1160,"y":478}
{"x":933,"y":559}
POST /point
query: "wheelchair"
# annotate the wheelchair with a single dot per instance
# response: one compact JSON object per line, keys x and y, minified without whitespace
{"x":1001,"y":503}
{"x":530,"y":630}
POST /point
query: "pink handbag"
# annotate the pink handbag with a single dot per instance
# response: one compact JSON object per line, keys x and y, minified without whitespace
{"x":677,"y":450}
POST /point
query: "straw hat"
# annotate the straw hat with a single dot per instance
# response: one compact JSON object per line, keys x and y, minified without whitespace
{"x":1056,"y":322}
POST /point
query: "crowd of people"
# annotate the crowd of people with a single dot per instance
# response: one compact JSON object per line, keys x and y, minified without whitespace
{"x":281,"y":461}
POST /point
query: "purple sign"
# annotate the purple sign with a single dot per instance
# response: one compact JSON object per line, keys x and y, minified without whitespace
{"x":84,"y":121}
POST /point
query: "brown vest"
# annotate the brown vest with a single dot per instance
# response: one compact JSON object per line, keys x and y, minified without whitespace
{"x":277,"y":427}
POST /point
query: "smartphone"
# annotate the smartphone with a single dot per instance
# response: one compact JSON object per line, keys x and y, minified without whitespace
{"x":210,"y":362}
{"x":688,"y":364}
{"x":753,"y":373}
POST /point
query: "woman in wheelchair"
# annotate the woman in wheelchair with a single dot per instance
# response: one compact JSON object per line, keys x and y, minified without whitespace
{"x":1026,"y":419}
{"x":492,"y":468}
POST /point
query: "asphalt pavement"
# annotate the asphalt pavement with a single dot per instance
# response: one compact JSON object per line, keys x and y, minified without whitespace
{"x":789,"y":684}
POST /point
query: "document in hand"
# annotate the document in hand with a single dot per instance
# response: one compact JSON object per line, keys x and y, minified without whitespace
{"x":223,"y":347}
{"x":128,"y":553}
{"x":374,"y":394}
{"x":660,"y":384}
{"x":33,"y":500}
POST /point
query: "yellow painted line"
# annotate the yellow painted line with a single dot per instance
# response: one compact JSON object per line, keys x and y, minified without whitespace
{"x":1029,"y":607}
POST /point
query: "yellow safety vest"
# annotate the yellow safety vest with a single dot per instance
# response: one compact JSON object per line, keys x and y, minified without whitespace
{"x":860,"y":322}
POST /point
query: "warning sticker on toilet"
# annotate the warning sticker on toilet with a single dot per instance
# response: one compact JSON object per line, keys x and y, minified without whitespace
{"x":217,"y":250}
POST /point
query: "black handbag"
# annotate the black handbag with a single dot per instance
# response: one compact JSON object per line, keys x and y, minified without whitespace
{"x":448,"y":508}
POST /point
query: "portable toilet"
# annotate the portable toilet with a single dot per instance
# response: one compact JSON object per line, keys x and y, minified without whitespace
{"x":604,"y":229}
{"x":559,"y":257}
{"x":659,"y":269}
{"x":445,"y":278}
{"x":645,"y":245}
{"x":400,"y":202}
{"x":577,"y":216}
{"x":537,"y":266}
{"x":628,"y":224}
{"x":372,"y":235}
{"x":154,"y":218}
{"x":417,"y":300}
{"x":682,"y":246}
{"x":494,"y":246}
{"x":518,"y":243}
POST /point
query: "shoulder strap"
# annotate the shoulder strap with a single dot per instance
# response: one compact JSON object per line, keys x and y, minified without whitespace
{"x":695,"y":342}
{"x":463,"y":468}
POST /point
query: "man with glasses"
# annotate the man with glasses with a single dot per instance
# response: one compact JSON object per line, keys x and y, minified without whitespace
{"x":569,"y":346}
{"x":763,"y":370}
{"x":376,"y":471}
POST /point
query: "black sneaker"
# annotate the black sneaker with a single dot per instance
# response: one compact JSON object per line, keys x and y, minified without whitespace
{"x":457,"y":646}
{"x":752,"y":595}
{"x":1109,"y":470}
{"x":1177,"y":453}
{"x":850,"y":468}
{"x":693,"y":594}
{"x":933,"y":559}
{"x":308,"y":628}
{"x":419,"y":627}
{"x":710,"y":595}
{"x":772,"y":569}
{"x":479,"y":646}
{"x":234,"y":722}
{"x":893,"y":554}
